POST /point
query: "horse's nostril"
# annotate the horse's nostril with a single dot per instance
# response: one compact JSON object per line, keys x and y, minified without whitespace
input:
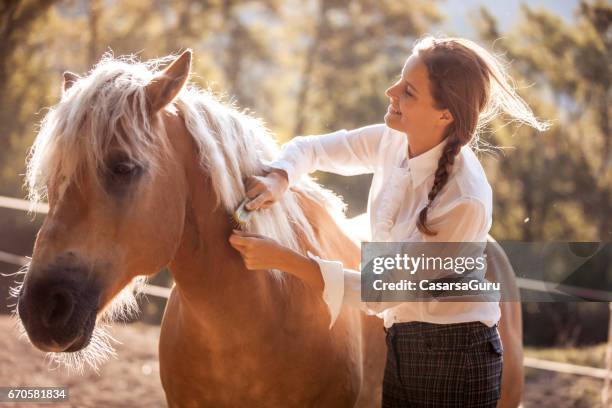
{"x":61,"y":305}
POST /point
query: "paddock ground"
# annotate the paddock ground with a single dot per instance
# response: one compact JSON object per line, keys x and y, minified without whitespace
{"x":132,"y":380}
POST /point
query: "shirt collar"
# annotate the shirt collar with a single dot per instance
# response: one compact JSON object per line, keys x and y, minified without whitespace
{"x":425,"y":164}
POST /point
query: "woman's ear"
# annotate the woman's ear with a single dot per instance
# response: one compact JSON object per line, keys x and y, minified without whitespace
{"x":167,"y":84}
{"x":446,"y":117}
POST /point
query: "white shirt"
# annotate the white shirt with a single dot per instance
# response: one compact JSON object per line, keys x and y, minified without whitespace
{"x":461,"y":212}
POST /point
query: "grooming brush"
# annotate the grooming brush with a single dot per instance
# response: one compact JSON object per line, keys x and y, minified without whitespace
{"x":242,"y":215}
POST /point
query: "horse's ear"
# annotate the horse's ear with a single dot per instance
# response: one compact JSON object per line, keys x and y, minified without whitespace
{"x":69,"y":79}
{"x":166,"y":85}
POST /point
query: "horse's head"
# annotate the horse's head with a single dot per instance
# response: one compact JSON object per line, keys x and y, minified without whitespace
{"x":116,"y":192}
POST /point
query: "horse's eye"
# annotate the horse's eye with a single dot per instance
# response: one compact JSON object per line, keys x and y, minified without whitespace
{"x":124,"y":169}
{"x":121,"y":172}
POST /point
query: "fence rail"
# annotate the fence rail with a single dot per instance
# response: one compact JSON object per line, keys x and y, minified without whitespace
{"x":566,"y":368}
{"x":23,"y":205}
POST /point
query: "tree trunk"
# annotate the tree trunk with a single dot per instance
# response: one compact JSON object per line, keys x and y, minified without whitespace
{"x":94,"y":17}
{"x":309,"y":63}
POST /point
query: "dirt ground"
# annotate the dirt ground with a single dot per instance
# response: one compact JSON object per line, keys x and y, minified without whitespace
{"x":132,"y":380}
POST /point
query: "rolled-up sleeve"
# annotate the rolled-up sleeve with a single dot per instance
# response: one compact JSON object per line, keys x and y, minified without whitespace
{"x":347,"y":153}
{"x":343,"y":286}
{"x":340,"y":286}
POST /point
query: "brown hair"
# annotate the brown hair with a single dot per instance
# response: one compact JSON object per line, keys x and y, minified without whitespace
{"x":472,"y":84}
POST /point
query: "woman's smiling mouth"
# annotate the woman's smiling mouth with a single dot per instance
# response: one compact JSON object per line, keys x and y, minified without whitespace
{"x":393,"y":111}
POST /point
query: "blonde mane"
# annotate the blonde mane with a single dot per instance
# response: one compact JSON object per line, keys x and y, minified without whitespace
{"x":234,"y":146}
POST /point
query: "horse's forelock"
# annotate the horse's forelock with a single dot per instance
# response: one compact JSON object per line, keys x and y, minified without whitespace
{"x":105,"y":109}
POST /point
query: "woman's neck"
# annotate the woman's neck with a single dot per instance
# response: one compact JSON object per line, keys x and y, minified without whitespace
{"x":420,"y":145}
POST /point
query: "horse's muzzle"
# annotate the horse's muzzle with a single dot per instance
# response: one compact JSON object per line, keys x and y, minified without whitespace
{"x":58,"y":309}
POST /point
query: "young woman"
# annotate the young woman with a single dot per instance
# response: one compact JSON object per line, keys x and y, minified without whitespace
{"x":428,"y":186}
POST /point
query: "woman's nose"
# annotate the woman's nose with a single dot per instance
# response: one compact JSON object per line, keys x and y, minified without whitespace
{"x":389,"y":91}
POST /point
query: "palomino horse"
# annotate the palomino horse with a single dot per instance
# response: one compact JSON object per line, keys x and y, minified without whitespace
{"x":142,"y":172}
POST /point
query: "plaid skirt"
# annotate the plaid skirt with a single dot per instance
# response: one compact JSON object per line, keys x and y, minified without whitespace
{"x":442,"y":365}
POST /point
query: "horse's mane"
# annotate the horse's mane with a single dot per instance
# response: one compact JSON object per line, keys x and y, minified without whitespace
{"x":233,"y":146}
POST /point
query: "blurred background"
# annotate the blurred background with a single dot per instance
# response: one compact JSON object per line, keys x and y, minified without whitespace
{"x":314,"y":66}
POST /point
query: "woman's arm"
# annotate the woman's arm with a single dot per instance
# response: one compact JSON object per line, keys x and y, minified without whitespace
{"x":343,"y":152}
{"x":260,"y":253}
{"x":301,"y":267}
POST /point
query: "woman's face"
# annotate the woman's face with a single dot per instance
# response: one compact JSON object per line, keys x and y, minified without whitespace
{"x":411,"y":107}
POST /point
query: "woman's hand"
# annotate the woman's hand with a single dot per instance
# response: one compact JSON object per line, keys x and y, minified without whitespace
{"x":259,"y":252}
{"x":266,"y":190}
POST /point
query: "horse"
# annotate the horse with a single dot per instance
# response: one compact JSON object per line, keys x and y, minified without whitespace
{"x":142,"y":171}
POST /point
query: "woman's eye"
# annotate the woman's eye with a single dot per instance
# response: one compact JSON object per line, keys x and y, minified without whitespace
{"x":408,"y":92}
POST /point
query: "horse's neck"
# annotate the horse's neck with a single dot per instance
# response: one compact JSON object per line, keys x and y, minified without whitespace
{"x":205,"y":266}
{"x":211,"y":280}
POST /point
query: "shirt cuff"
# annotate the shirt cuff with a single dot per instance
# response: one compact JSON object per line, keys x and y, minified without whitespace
{"x":333,"y":290}
{"x":287,"y":167}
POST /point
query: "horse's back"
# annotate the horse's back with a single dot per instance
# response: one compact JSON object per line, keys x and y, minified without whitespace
{"x":510,"y":324}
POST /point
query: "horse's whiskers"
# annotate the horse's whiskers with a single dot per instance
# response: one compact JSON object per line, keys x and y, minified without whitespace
{"x":15,"y":290}
{"x":124,"y":306}
{"x":99,"y":350}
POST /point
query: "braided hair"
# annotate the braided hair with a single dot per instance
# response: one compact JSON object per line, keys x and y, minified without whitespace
{"x":441,"y":177}
{"x":473,"y":85}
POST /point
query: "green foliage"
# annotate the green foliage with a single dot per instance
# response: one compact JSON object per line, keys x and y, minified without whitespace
{"x":561,"y":179}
